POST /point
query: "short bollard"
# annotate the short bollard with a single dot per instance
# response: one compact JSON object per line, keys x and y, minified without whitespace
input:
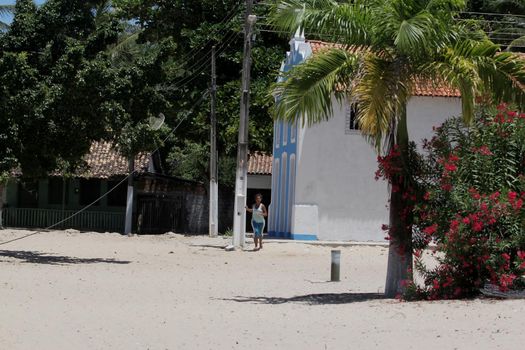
{"x":336,"y":263}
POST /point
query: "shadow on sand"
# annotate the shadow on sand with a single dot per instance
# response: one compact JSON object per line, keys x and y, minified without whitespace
{"x":220,"y":247}
{"x":42,"y":258}
{"x":312,"y":299}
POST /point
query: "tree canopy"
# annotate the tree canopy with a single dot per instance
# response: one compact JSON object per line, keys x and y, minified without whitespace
{"x":90,"y":70}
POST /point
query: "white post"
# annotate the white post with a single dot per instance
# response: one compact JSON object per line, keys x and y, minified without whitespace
{"x":241,"y":180}
{"x":335,"y":267}
{"x":129,"y":202}
{"x":214,"y":185}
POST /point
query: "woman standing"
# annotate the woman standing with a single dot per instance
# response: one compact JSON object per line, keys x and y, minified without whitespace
{"x":259,"y":212}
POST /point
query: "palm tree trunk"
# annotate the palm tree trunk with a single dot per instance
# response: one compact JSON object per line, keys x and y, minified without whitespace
{"x":400,"y":248}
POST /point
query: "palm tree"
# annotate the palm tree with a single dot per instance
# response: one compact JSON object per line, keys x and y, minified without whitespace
{"x":395,"y":44}
{"x":5,"y":10}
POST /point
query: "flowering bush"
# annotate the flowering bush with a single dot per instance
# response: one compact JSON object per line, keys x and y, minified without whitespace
{"x":473,"y":207}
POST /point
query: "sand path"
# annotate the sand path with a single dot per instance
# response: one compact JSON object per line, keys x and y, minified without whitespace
{"x":62,"y":290}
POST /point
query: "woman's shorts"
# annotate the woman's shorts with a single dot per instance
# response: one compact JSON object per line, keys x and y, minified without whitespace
{"x":258,"y":228}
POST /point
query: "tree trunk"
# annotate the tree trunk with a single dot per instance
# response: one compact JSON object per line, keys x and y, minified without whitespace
{"x":400,"y":248}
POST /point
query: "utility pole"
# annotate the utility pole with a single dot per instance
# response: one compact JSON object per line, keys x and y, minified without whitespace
{"x":214,"y":185}
{"x":129,"y":202}
{"x":239,"y":215}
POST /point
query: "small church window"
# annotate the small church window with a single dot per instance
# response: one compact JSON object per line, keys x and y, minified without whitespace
{"x":352,"y":125}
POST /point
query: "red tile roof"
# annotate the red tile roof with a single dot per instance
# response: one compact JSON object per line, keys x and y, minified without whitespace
{"x":422,"y":88}
{"x":260,"y":163}
{"x":103,"y":161}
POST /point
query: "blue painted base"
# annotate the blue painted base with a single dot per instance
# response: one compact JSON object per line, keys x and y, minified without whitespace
{"x":303,"y":237}
{"x":293,"y":236}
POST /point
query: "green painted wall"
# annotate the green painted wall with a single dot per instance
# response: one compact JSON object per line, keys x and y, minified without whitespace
{"x":72,"y":193}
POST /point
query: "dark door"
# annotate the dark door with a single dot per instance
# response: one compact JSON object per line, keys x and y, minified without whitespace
{"x":159,"y":213}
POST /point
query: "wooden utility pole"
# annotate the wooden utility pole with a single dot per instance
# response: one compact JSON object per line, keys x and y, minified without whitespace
{"x":214,"y":184}
{"x":241,"y":185}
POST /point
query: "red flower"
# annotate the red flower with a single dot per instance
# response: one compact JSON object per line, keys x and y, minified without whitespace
{"x":512,"y":196}
{"x":484,"y":150}
{"x":446,"y":187}
{"x":474,"y":193}
{"x":494,"y":196}
{"x":477,"y":226}
{"x":506,"y":281}
{"x":450,"y":167}
{"x":435,"y":284}
{"x":505,"y":256}
{"x":466,"y":221}
{"x":430,"y":230}
{"x":453,"y":158}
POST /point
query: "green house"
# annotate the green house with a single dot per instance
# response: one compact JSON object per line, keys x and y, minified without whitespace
{"x":31,"y":203}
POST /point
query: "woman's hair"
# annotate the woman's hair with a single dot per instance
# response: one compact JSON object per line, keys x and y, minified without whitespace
{"x":259,"y":195}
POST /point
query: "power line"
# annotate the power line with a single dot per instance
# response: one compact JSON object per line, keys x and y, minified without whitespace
{"x":227,"y":18}
{"x":492,"y":14}
{"x":207,"y":61}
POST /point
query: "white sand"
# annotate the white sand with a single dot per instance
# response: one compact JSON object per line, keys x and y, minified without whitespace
{"x":58,"y":290}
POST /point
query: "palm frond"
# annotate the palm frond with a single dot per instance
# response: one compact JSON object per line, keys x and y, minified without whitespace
{"x":459,"y":74}
{"x":418,"y":28}
{"x":380,"y":95}
{"x":306,"y":91}
{"x":413,"y":32}
{"x":125,"y":49}
{"x":503,"y":76}
{"x":347,"y":23}
{"x":517,"y":44}
{"x":5,"y":10}
{"x":102,"y":11}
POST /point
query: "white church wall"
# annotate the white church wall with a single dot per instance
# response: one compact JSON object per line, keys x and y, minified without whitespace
{"x":335,"y":173}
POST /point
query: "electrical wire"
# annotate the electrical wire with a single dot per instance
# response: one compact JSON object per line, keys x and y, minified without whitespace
{"x":199,"y":101}
{"x":225,"y":20}
{"x":206,"y":64}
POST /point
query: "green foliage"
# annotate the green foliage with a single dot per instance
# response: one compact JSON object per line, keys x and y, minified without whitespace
{"x":51,"y":78}
{"x":473,"y":208}
{"x":66,"y":82}
{"x":502,"y":29}
{"x":199,"y":26}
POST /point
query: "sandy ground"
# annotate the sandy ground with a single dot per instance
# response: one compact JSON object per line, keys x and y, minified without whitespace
{"x":63,"y":290}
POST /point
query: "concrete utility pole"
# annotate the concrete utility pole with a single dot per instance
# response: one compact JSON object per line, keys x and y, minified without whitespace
{"x":239,"y":216}
{"x":129,"y":202}
{"x":214,"y":184}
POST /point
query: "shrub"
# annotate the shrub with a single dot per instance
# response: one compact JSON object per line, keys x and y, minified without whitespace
{"x":473,"y":207}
